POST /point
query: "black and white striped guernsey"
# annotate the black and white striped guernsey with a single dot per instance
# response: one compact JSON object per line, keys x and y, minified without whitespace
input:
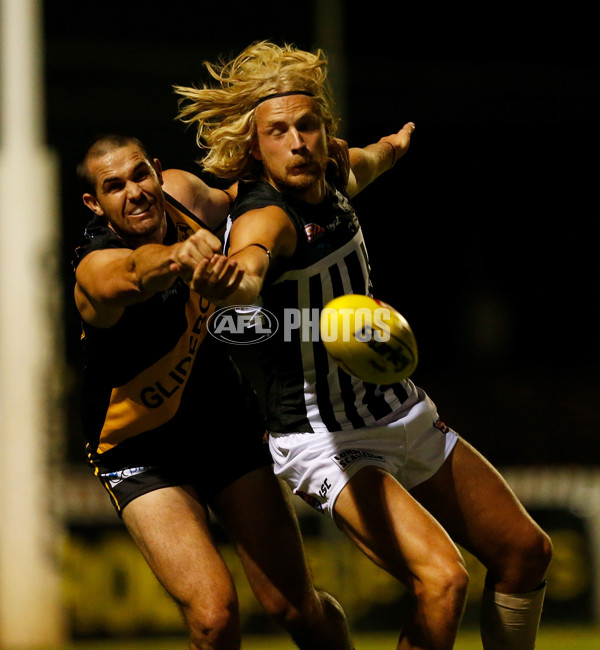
{"x":305,"y":390}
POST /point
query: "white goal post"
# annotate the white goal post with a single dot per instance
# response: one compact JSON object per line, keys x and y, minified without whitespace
{"x":30,"y":356}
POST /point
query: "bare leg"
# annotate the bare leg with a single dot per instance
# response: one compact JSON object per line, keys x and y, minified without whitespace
{"x":481,"y":513}
{"x":260,"y":520}
{"x":171,"y":529}
{"x":400,"y":536}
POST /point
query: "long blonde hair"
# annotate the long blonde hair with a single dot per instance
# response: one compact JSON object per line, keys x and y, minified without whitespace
{"x":224,"y":115}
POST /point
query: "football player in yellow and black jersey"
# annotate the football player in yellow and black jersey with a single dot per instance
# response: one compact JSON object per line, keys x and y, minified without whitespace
{"x":171,"y":428}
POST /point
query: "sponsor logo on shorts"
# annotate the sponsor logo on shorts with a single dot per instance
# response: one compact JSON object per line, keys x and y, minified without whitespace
{"x":441,"y":426}
{"x":324,"y":489}
{"x":312,"y":501}
{"x":114,"y":478}
{"x":349,"y":456}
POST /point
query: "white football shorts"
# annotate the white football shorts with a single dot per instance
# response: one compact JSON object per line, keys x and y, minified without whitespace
{"x":317,"y":466}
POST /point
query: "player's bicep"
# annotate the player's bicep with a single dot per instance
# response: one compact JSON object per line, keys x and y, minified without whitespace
{"x":269,"y":227}
{"x":96,"y":313}
{"x":104,"y":286}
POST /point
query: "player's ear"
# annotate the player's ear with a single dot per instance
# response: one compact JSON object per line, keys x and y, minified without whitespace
{"x":91,"y":202}
{"x":158,"y":169}
{"x":255,"y":149}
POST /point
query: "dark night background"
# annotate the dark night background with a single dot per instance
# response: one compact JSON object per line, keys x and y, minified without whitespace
{"x":483,"y":236}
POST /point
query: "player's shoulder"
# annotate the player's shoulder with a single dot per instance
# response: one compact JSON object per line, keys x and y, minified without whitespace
{"x":96,"y":236}
{"x":185,"y":187}
{"x":189,"y":191}
{"x":254,"y":195}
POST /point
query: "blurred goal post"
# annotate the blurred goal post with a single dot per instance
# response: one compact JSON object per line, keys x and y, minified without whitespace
{"x":31,"y":358}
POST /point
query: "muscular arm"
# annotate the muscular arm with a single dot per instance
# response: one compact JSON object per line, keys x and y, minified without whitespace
{"x":209,"y":204}
{"x":270,"y":227}
{"x":109,"y":280}
{"x":369,"y":162}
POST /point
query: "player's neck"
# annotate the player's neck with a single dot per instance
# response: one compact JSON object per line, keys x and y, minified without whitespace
{"x":313,"y":195}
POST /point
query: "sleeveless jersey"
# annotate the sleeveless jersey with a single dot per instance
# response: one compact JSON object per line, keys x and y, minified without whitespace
{"x":140,"y":373}
{"x":306,"y":390}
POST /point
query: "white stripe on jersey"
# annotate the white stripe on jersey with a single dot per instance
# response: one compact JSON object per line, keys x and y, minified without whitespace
{"x":303,"y":277}
{"x":357,"y":243}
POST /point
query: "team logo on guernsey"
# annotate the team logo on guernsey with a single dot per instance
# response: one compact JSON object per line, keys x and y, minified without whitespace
{"x":183,"y":231}
{"x":313,"y":230}
{"x":242,"y":324}
{"x":444,"y":428}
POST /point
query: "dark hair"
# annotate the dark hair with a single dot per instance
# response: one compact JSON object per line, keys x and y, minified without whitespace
{"x":99,"y":146}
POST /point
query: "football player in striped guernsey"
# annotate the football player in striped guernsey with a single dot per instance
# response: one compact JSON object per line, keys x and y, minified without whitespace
{"x":397,"y":480}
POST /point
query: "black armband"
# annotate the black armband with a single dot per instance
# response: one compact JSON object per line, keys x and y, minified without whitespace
{"x":393,"y":151}
{"x":267,"y":251}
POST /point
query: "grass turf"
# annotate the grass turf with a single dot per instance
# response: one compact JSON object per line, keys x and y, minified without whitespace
{"x":550,"y":638}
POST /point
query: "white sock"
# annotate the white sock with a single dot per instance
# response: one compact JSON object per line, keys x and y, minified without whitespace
{"x":511,"y":621}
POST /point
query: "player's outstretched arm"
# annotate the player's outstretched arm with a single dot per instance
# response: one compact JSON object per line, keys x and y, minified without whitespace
{"x":257,"y":240}
{"x":109,"y":280}
{"x":367,"y":163}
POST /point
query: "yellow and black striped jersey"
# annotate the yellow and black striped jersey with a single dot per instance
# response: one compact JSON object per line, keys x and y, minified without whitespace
{"x":157,"y":361}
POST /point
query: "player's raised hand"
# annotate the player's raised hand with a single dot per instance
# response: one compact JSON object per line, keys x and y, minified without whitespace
{"x":199,"y":247}
{"x":216,"y":279}
{"x":401,"y":140}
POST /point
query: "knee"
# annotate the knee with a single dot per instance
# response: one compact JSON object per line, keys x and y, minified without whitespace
{"x":454,"y":581}
{"x":523,"y":563}
{"x":316,"y":621}
{"x":292,"y":612}
{"x":536,"y":552}
{"x":213,"y":626}
{"x":447,"y":583}
{"x":533,"y":552}
{"x":331,"y":610}
{"x":304,"y":611}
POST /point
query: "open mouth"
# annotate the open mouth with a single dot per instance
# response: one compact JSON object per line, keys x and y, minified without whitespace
{"x":140,"y":211}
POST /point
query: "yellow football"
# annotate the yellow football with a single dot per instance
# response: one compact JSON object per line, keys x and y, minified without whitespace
{"x":368,"y":339}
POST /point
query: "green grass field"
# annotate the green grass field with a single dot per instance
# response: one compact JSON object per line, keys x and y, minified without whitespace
{"x":550,"y":638}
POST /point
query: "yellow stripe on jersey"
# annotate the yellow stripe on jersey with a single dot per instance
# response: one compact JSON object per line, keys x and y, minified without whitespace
{"x":185,"y":223}
{"x":152,"y":397}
